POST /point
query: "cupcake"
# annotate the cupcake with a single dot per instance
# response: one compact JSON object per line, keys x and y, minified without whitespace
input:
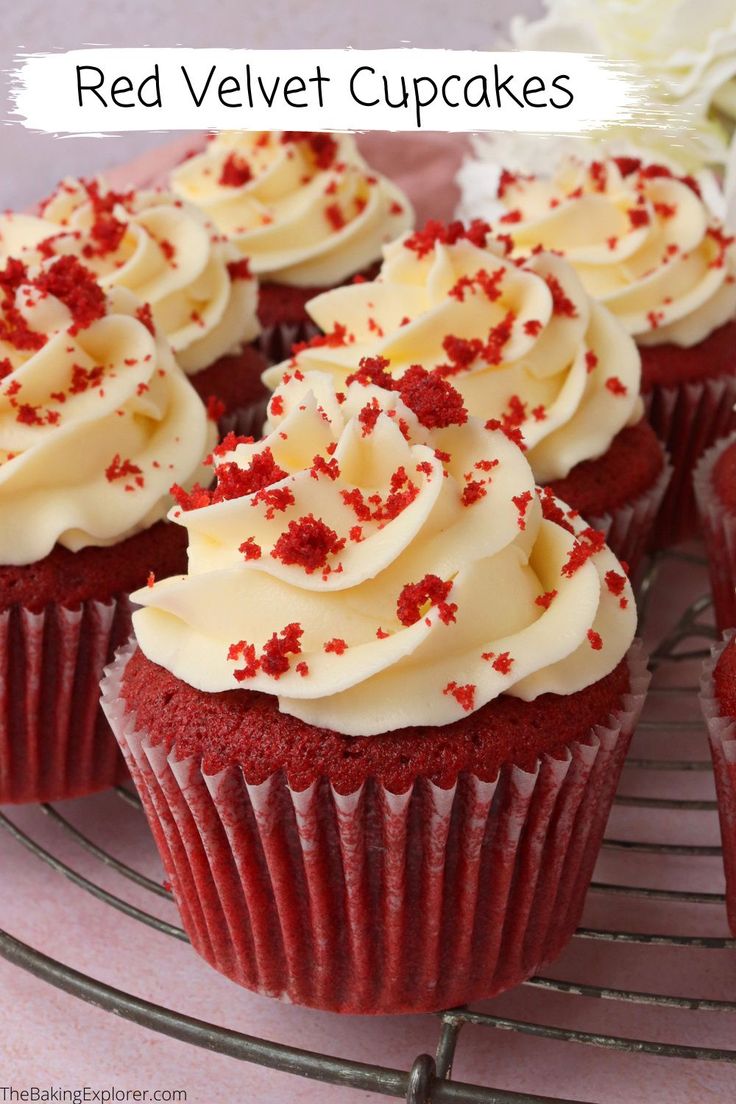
{"x":645,"y":244}
{"x":202,"y":295}
{"x":378,"y":725}
{"x":303,"y":207}
{"x":718,"y":702}
{"x":96,"y":422}
{"x":526,"y":347}
{"x":715,"y":494}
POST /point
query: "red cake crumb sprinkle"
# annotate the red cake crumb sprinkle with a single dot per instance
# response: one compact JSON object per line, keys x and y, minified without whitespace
{"x":434,"y":401}
{"x":369,"y":415}
{"x":551,"y":511}
{"x":239,"y":270}
{"x":665,"y":210}
{"x":488,"y":282}
{"x":532,"y":327}
{"x":107,"y":231}
{"x":429,"y":591}
{"x":612,"y":242}
{"x":215,"y":408}
{"x":151,"y":580}
{"x":77,"y":288}
{"x":588,"y":543}
{"x":598,"y":175}
{"x":522,"y":502}
{"x":395,"y":208}
{"x":498,"y":337}
{"x":336,"y":645}
{"x":335,"y":216}
{"x":85,"y":378}
{"x":539,"y":413}
{"x":381,"y":635}
{"x":595,"y":640}
{"x":545,"y":600}
{"x":275,"y":499}
{"x":144,"y":315}
{"x":463,"y":695}
{"x":511,"y":216}
{"x":638,"y":217}
{"x":561,"y":304}
{"x":615,"y":386}
{"x":307,"y":543}
{"x":322,"y":147}
{"x":627,"y":165}
{"x":508,"y":179}
{"x":229,"y":443}
{"x":302,"y":669}
{"x":591,"y":360}
{"x":234,"y":482}
{"x":503,"y":662}
{"x":320,"y":466}
{"x":273,"y":660}
{"x":435,"y":233}
{"x":513,"y":433}
{"x":276,"y":406}
{"x":372,"y":370}
{"x":121,"y":469}
{"x":473,"y":491}
{"x":250,"y":549}
{"x":5,"y":368}
{"x":332,"y":340}
{"x":723,"y":241}
{"x":462,"y":352}
{"x":235,"y":172}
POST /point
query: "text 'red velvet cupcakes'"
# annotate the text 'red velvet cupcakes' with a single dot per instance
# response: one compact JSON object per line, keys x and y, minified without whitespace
{"x":715,"y":494}
{"x":306,"y":210}
{"x":378,"y":726}
{"x":202,"y":296}
{"x":96,"y":421}
{"x":718,"y":702}
{"x":526,"y":347}
{"x":646,"y":245}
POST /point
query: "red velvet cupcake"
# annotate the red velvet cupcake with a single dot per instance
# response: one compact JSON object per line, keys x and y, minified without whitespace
{"x":647,"y":246}
{"x":715,"y":492}
{"x":718,"y":702}
{"x":378,"y":726}
{"x":527,"y":348}
{"x":96,"y":420}
{"x":304,"y":208}
{"x":199,"y":288}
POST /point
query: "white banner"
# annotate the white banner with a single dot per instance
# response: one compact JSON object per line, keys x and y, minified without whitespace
{"x":103,"y":90}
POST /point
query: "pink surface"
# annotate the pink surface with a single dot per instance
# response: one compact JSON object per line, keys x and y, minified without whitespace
{"x":51,"y":1038}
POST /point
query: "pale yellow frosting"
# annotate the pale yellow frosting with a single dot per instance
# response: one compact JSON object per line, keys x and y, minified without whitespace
{"x":391,"y":575}
{"x":547,"y":358}
{"x":96,"y":419}
{"x":306,"y":212}
{"x":643,"y":244}
{"x":164,"y":250}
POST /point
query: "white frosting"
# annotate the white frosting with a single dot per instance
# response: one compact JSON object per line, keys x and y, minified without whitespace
{"x":96,"y":423}
{"x":575,"y":370}
{"x":645,"y":246}
{"x":305,"y":213}
{"x":160,"y":248}
{"x":364,"y":654}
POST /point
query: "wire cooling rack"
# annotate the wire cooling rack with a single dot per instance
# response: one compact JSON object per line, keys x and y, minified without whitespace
{"x":662,"y":832}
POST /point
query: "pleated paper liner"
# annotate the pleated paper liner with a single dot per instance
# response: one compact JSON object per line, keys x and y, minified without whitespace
{"x":55,"y":741}
{"x":688,"y":420}
{"x":375,"y":902}
{"x":718,"y":526}
{"x":629,"y":528}
{"x":276,"y":341}
{"x":722,"y":739}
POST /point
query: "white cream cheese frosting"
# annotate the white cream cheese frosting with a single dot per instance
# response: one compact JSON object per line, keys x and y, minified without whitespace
{"x":305,"y":208}
{"x":375,"y":566}
{"x":523,"y":343}
{"x":641,"y":239}
{"x":96,"y":418}
{"x":202,"y":294}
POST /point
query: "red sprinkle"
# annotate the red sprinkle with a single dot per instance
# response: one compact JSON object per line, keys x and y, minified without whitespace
{"x":308,"y":543}
{"x":595,"y":640}
{"x":336,"y":645}
{"x":430,"y":590}
{"x":463,"y":695}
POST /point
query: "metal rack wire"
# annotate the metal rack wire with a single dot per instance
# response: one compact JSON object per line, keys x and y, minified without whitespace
{"x":676,"y":659}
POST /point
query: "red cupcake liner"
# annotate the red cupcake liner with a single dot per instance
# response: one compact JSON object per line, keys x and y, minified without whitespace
{"x":375,"y":902}
{"x":718,"y":526}
{"x":55,"y":742}
{"x":722,"y":739}
{"x":629,"y":528}
{"x":275,"y":341}
{"x":688,"y":420}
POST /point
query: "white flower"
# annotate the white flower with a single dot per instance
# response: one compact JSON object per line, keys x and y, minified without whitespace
{"x":687,"y":46}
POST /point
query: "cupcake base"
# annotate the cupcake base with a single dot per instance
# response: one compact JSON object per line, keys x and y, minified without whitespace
{"x":235,"y":382}
{"x":372,"y":901}
{"x":60,"y":624}
{"x":690,"y":396}
{"x":718,"y":524}
{"x":722,"y":739}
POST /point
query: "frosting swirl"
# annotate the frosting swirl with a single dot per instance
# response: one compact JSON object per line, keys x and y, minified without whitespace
{"x":200,"y":289}
{"x":96,"y":419}
{"x":523,"y":344}
{"x":641,"y":239}
{"x":303,"y":207}
{"x":377,"y":567}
